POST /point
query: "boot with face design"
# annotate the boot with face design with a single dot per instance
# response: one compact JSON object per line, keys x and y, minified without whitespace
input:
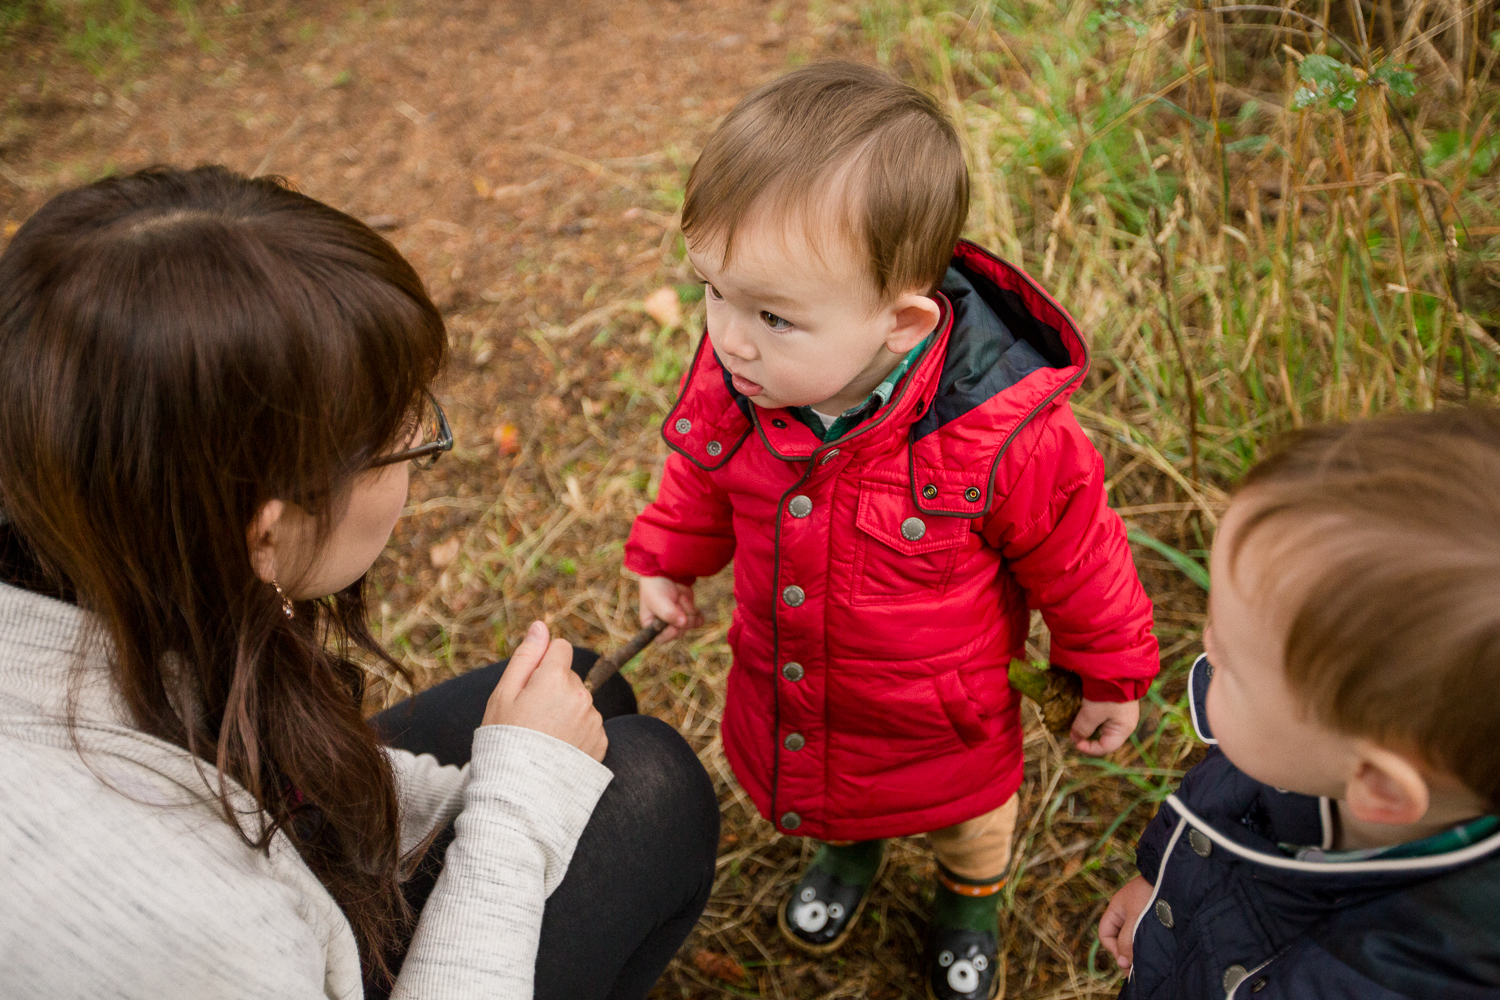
{"x":961,"y":964}
{"x":963,"y":939}
{"x":819,"y":913}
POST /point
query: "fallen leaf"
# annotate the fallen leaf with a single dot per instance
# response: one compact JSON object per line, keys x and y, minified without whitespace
{"x":665,"y":307}
{"x":481,"y":187}
{"x":11,"y":228}
{"x":507,"y":439}
{"x":718,"y":965}
{"x":443,"y":553}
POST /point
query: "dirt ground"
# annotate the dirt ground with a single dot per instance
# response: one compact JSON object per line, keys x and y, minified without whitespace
{"x":527,"y":158}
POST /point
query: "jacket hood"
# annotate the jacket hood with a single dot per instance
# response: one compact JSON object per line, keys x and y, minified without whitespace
{"x":1004,"y":352}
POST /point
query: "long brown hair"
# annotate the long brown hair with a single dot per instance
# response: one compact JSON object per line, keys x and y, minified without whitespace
{"x":176,"y":349}
{"x":1397,"y":634}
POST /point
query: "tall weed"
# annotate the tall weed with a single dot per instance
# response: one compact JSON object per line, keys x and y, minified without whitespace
{"x":1263,"y":215}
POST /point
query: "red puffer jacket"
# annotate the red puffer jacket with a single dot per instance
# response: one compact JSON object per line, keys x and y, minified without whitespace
{"x":882,"y":580}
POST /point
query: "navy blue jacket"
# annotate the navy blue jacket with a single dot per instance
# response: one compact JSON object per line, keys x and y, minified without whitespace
{"x":1232,"y":915}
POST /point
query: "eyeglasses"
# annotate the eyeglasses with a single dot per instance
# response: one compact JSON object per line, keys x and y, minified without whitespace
{"x":436,"y":438}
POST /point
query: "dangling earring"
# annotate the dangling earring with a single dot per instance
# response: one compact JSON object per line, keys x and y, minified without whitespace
{"x":286,"y":602}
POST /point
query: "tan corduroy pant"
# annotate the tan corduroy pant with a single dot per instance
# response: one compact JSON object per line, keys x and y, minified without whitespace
{"x":977,"y":848}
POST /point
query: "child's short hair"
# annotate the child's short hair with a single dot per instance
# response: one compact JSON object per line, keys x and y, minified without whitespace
{"x":1398,"y":636}
{"x":786,"y":141}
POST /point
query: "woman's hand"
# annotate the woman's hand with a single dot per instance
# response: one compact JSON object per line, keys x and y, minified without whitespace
{"x":540,"y":691}
{"x":1117,"y":926}
{"x":668,"y":601}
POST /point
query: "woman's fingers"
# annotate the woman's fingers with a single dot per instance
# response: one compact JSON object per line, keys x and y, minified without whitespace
{"x":524,"y":661}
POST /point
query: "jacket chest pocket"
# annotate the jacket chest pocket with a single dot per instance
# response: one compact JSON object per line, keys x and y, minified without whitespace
{"x":900,"y":554}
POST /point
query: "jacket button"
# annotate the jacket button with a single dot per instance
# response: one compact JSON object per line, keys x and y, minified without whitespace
{"x":1260,"y":984}
{"x":800,"y":506}
{"x":792,"y":671}
{"x":714,"y":447}
{"x":683,"y":425}
{"x":1164,"y":913}
{"x":779,"y":424}
{"x":794,"y":742}
{"x":1200,"y":843}
{"x":929,"y":491}
{"x":972,"y":494}
{"x":829,"y":457}
{"x":793,"y":596}
{"x":790,"y":821}
{"x":913,"y":528}
{"x":1233,"y":976}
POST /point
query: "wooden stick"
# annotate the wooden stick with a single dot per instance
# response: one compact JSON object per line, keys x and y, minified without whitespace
{"x":608,"y":666}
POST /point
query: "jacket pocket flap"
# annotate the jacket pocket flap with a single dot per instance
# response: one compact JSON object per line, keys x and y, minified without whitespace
{"x":886,"y":514}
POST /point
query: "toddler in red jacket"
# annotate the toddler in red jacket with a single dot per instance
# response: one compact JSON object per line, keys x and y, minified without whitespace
{"x":876,"y":430}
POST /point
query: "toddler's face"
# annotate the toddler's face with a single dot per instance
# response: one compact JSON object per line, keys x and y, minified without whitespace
{"x":1260,"y":723}
{"x":794,"y":327}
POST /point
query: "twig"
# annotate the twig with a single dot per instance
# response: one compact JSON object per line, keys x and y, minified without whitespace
{"x":608,"y":666}
{"x":1187,"y":368}
{"x":265,"y":161}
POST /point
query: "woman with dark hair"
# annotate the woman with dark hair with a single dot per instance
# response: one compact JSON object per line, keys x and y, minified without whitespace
{"x":211,"y":391}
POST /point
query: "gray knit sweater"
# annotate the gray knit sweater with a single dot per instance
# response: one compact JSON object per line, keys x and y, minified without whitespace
{"x":119,"y":878}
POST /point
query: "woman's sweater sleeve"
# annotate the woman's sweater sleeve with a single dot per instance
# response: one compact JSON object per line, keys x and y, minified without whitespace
{"x":526,"y":802}
{"x":431,"y":794}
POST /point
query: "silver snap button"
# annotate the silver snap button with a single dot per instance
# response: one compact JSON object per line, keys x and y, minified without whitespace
{"x":793,"y":596}
{"x":792,"y":672}
{"x":1164,"y":912}
{"x":829,"y":457}
{"x":1233,"y":976}
{"x":683,"y":425}
{"x":790,"y":821}
{"x":800,"y":506}
{"x":913,"y":528}
{"x":794,"y":742}
{"x":1200,"y":843}
{"x":714,"y":447}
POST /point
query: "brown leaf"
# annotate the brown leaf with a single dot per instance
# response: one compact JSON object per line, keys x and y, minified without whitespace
{"x":665,"y":307}
{"x":719,"y":966}
{"x":507,"y":439}
{"x":443,"y":553}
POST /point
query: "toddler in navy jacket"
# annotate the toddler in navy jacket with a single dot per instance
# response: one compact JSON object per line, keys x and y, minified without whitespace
{"x":1341,"y":839}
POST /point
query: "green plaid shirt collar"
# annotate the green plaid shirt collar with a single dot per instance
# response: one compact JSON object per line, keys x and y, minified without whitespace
{"x":871,"y":405}
{"x":1453,"y":839}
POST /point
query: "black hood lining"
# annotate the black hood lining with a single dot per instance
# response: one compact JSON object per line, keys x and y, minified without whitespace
{"x":994,"y":344}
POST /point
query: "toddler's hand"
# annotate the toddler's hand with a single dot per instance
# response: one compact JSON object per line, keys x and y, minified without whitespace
{"x":668,"y":601}
{"x":1114,"y":721}
{"x":1117,"y":926}
{"x":540,"y":691}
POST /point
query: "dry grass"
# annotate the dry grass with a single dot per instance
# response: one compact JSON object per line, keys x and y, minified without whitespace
{"x":1241,"y":265}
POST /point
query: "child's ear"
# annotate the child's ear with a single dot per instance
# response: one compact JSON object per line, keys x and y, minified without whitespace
{"x":913,"y":316}
{"x":1386,"y":788}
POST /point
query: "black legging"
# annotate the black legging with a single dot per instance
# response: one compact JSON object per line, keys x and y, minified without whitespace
{"x":644,"y":866}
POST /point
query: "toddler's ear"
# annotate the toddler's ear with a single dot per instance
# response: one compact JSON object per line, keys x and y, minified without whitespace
{"x":913,"y":317}
{"x":1386,"y":788}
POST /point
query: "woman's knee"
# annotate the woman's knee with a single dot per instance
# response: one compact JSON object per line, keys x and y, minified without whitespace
{"x":660,"y":779}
